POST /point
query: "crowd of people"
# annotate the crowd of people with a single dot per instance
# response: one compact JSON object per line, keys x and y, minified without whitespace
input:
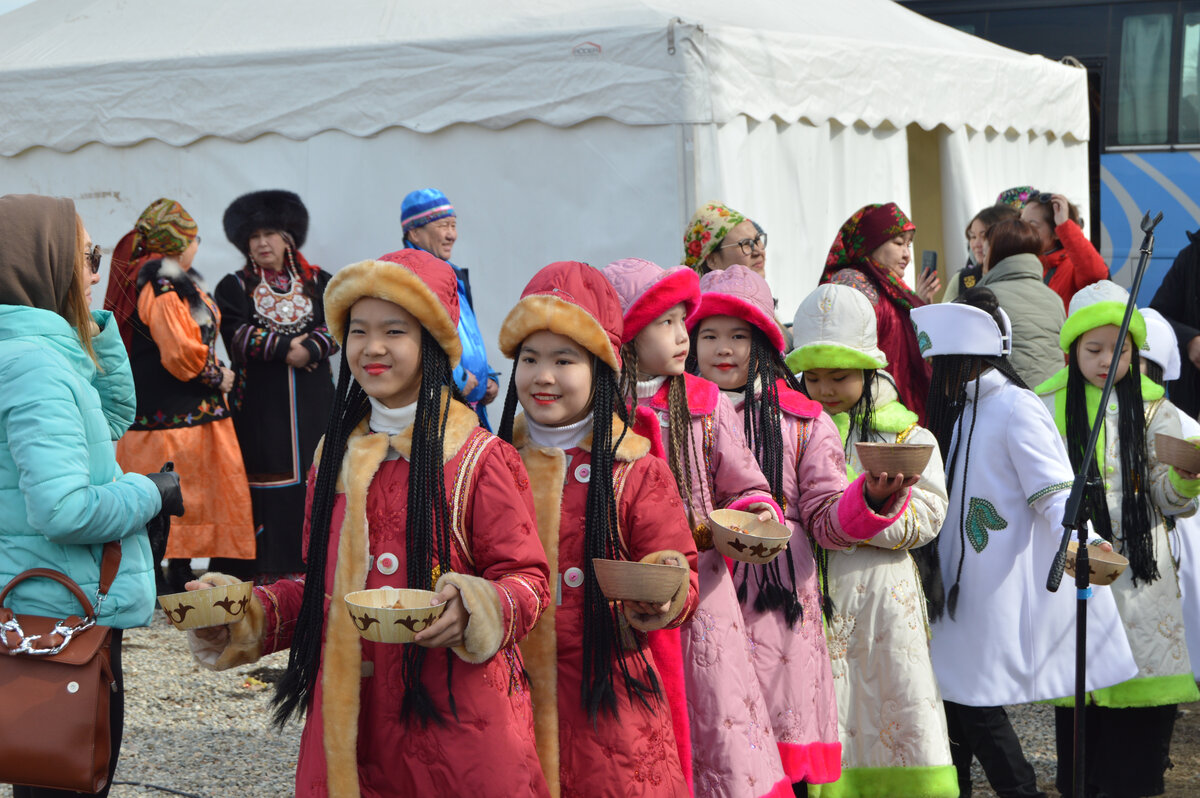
{"x":873,"y":657}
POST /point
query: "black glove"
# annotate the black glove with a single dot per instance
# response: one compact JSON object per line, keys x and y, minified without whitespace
{"x":167,"y":483}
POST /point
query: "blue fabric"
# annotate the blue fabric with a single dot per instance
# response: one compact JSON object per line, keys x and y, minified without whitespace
{"x":62,"y":494}
{"x":423,"y":206}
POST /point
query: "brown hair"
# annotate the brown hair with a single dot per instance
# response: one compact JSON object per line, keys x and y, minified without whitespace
{"x":77,"y":313}
{"x":991,"y":215}
{"x":1048,"y":211}
{"x":1011,"y":237}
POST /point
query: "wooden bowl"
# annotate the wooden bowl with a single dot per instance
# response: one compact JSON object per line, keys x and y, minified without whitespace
{"x":1105,"y":566}
{"x":378,"y":619}
{"x":212,"y":606}
{"x":908,"y":459}
{"x":741,"y":536}
{"x":1177,"y":452}
{"x":621,"y":580}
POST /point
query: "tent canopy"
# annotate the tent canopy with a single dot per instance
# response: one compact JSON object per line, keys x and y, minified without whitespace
{"x":239,"y":70}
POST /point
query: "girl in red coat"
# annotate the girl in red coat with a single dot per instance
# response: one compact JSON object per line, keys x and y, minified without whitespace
{"x":603,"y":726}
{"x":407,"y":492}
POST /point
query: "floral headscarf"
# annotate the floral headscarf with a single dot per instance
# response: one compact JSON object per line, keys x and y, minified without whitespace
{"x":706,"y":231}
{"x":1016,"y":197}
{"x":861,"y":234}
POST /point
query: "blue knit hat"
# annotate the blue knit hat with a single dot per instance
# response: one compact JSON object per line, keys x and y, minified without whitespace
{"x":424,"y":206}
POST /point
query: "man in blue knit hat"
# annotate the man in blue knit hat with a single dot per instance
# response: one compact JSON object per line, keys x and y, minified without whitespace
{"x":430,"y":224}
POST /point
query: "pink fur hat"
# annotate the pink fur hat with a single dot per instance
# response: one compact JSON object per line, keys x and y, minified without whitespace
{"x":647,"y":291}
{"x":741,"y":293}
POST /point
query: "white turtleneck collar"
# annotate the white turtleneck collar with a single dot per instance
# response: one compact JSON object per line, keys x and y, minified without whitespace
{"x":647,"y":389}
{"x":391,"y":420}
{"x":565,"y":437}
{"x":736,"y":398}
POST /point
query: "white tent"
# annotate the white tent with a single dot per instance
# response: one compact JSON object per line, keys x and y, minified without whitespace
{"x":586,"y":130}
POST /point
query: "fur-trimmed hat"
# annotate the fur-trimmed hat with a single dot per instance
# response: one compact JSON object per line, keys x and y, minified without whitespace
{"x":1096,"y":305}
{"x":954,"y":328}
{"x":573,"y":300}
{"x":647,"y":291}
{"x":739,"y":292}
{"x":835,"y":328}
{"x":1161,"y":344}
{"x":273,"y":209}
{"x":423,"y":285}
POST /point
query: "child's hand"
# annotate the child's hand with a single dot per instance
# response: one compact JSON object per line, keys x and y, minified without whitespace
{"x":654,"y":610}
{"x":1185,"y":474}
{"x":880,"y":487}
{"x":449,"y":629}
{"x":765,"y":511}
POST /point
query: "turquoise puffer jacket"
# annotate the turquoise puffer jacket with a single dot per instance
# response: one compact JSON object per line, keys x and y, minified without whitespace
{"x":62,"y":494}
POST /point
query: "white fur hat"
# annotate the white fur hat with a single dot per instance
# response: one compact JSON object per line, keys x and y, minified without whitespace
{"x":957,"y":329}
{"x":1161,"y":344}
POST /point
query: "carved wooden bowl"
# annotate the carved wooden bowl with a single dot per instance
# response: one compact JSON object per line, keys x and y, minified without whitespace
{"x":1105,"y":566}
{"x":213,"y":606}
{"x":621,"y":580}
{"x":908,"y":459}
{"x":741,"y":536}
{"x":1177,"y":452}
{"x":377,"y":618}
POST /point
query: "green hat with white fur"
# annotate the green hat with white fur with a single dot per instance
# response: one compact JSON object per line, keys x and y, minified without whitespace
{"x":1096,"y":305}
{"x":834,"y":328}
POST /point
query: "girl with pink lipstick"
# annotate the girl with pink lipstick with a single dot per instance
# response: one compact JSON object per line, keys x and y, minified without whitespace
{"x":600,"y":701}
{"x":738,"y":346}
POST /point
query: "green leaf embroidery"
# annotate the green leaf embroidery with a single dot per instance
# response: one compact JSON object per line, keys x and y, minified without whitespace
{"x":924,"y":342}
{"x":982,"y":516}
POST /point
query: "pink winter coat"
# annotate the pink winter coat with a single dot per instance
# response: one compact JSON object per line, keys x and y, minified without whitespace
{"x":732,"y":740}
{"x":793,"y":664}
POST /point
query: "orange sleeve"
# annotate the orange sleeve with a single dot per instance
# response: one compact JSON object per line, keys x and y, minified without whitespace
{"x":180,"y":345}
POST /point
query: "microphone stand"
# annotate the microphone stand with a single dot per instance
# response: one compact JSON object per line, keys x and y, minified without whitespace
{"x":1083,"y":590}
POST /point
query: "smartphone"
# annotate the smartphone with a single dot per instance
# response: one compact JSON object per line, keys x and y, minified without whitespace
{"x":928,"y":262}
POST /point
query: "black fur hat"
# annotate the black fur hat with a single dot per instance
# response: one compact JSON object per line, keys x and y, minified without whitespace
{"x":271,"y":210}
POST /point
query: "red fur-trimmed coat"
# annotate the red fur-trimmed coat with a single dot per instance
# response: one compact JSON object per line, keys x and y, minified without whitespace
{"x":354,"y":714}
{"x":634,"y":754}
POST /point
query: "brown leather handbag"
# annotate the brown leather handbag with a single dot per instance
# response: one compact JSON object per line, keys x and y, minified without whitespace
{"x":55,"y":686}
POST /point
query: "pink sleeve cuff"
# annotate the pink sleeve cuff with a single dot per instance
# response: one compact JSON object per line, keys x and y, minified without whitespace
{"x":856,"y":517}
{"x":742,"y":502}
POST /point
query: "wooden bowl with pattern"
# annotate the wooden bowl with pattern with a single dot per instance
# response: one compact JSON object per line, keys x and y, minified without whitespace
{"x":1177,"y":452}
{"x":392,"y":614}
{"x":1104,"y":566}
{"x":908,"y":459}
{"x":653,"y":583}
{"x":742,"y":537}
{"x":212,"y":606}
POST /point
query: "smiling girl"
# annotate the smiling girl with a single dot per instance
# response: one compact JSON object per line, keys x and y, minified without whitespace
{"x":407,"y":492}
{"x":600,"y":713}
{"x":738,"y":346}
{"x":1130,"y":724}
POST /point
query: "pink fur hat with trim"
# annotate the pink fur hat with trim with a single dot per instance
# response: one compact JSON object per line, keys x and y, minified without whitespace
{"x":743,"y":294}
{"x":647,"y":291}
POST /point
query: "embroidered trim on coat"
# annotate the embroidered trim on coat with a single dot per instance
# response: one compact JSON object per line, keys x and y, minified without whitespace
{"x":1046,"y":491}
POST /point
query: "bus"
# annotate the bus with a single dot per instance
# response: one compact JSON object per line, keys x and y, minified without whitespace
{"x":1143,"y":63}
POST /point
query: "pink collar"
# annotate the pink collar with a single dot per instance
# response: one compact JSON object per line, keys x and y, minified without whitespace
{"x":797,"y":404}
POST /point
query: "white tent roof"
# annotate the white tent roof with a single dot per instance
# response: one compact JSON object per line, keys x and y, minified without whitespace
{"x":121,"y":71}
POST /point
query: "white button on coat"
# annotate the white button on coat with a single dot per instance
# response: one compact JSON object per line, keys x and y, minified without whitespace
{"x":573,"y":577}
{"x":387,"y":563}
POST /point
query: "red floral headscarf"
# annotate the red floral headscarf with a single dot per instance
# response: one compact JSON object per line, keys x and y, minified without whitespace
{"x":861,"y":234}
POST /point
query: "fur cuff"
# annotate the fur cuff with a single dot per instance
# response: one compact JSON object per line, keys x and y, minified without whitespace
{"x":485,"y":626}
{"x":856,"y":517}
{"x":743,"y":504}
{"x":651,"y":623}
{"x":243,"y":643}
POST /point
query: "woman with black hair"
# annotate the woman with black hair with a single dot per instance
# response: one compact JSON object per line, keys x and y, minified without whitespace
{"x":737,"y":345}
{"x":1129,"y":724}
{"x":890,"y":721}
{"x":599,"y":709}
{"x":407,"y":492}
{"x":1004,"y":639}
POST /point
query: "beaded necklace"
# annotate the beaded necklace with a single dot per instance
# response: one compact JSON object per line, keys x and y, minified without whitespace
{"x":288,"y":309}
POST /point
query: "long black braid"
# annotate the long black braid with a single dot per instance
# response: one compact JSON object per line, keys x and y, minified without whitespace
{"x":602,"y":626}
{"x":295,"y":689}
{"x":1137,"y":512}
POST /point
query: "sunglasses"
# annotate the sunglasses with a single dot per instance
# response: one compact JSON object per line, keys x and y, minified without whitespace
{"x":93,"y":258}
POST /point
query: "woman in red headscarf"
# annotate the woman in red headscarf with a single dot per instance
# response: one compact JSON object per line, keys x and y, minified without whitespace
{"x":870,"y":254}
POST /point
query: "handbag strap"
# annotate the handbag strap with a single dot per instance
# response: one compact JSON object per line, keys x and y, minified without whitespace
{"x":110,"y":563}
{"x":62,"y":579}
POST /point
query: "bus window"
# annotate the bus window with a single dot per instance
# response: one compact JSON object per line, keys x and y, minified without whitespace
{"x":1189,"y":81}
{"x":1142,"y":87}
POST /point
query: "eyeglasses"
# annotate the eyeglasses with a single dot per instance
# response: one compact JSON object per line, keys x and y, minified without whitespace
{"x":93,"y":258}
{"x":748,"y":245}
{"x":197,"y":240}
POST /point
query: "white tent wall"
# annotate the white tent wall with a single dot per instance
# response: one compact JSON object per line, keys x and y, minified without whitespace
{"x":526,"y":195}
{"x":977,"y":165}
{"x":800,"y":182}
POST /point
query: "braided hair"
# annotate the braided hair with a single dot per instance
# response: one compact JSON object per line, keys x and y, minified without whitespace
{"x":1137,"y":512}
{"x":428,"y":532}
{"x":602,"y":628}
{"x":947,"y":401}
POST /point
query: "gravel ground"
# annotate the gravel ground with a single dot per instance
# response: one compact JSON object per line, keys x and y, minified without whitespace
{"x":192,"y":732}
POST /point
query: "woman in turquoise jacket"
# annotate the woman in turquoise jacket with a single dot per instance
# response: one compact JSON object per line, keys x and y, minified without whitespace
{"x":67,"y":395}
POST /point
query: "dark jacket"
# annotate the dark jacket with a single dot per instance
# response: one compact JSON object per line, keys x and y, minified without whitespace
{"x":1178,"y":299}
